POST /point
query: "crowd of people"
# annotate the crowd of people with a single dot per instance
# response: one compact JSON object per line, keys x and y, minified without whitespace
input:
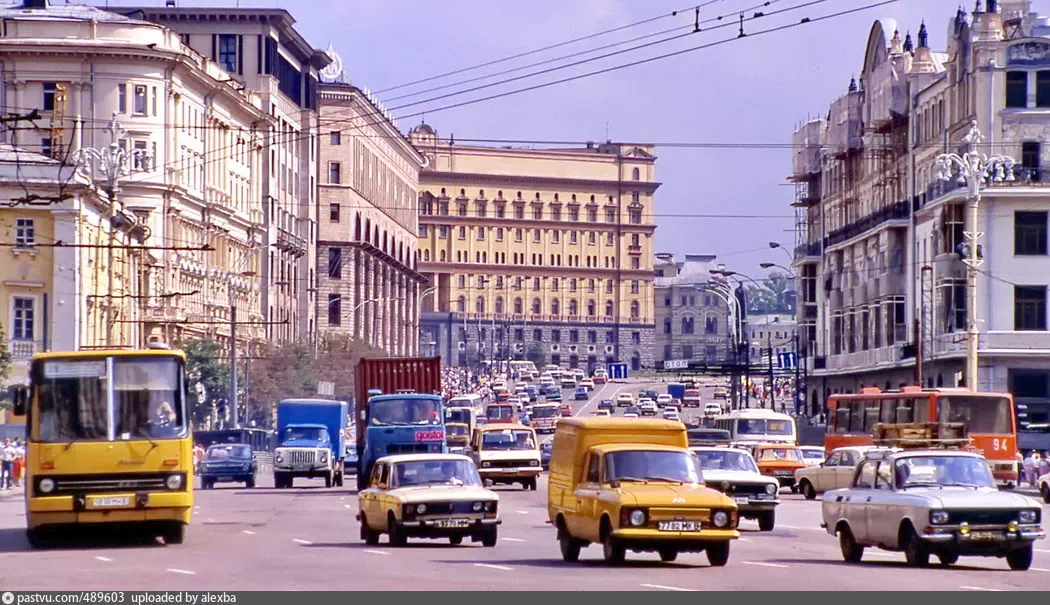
{"x":1033,"y":466}
{"x":12,"y":463}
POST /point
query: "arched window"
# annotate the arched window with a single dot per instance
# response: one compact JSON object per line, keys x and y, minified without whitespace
{"x":591,"y":308}
{"x":609,"y":308}
{"x":368,"y":229}
{"x":517,"y":306}
{"x":461,"y":303}
{"x":687,"y":325}
{"x":444,"y":256}
{"x":636,"y":174}
{"x":426,"y":255}
{"x":479,"y":306}
{"x":635,"y":310}
{"x":357,"y":227}
{"x":537,"y":306}
{"x":499,"y":304}
{"x":573,"y":308}
{"x":555,"y":307}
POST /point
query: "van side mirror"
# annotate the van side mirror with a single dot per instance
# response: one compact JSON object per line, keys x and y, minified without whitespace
{"x":19,"y":396}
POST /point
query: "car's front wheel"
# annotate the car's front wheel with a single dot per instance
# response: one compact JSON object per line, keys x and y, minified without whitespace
{"x":766,"y":521}
{"x":1045,"y":490}
{"x":915,"y":552}
{"x":718,"y":554}
{"x":1020,"y":559}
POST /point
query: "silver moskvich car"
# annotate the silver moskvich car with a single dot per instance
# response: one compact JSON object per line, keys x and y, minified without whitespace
{"x":931,"y":502}
{"x":734,"y":473}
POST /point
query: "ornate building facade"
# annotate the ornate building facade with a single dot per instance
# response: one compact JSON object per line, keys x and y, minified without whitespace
{"x":692,"y":321}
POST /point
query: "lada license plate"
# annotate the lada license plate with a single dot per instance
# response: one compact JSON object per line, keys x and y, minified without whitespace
{"x":783,"y":473}
{"x":985,"y":536}
{"x":448,"y":523}
{"x":741,"y":500}
{"x":111,"y":502}
{"x":678,"y":526}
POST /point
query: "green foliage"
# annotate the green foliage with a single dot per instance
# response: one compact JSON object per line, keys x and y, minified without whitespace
{"x":536,"y":354}
{"x":773,"y":296}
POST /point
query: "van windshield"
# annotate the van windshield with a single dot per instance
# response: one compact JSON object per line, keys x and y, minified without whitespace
{"x":657,"y":466}
{"x":509,"y":439}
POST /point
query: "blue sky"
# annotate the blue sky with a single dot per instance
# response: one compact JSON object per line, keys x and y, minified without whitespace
{"x":751,"y":90}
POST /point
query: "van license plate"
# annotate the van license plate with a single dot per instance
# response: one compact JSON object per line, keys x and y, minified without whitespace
{"x":448,"y":523}
{"x":111,"y":502}
{"x":678,"y":526}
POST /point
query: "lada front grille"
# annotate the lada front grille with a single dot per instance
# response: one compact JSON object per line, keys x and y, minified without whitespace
{"x":742,"y":489}
{"x":301,"y":457}
{"x":982,"y":517}
{"x":507,"y":463}
{"x":447,"y":508}
{"x":679,"y":514}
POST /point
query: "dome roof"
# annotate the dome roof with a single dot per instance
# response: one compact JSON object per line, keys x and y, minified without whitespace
{"x":423,"y":128}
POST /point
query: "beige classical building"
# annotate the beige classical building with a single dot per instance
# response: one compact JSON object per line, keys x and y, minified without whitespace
{"x":541,"y":254}
{"x":261,"y":51}
{"x":883,"y":288}
{"x":368,"y":285}
{"x":692,"y":317}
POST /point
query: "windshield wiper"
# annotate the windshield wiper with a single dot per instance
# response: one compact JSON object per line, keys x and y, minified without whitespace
{"x":631,"y":479}
{"x":921,"y":484}
{"x":665,"y":480}
{"x":973,"y":485}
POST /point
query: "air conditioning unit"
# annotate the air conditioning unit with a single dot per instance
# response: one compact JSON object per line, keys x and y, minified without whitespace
{"x":555,"y":348}
{"x":519,"y":347}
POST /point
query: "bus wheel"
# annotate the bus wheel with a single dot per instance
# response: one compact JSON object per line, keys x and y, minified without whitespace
{"x":174,"y":533}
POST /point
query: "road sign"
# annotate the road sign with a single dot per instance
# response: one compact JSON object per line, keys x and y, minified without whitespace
{"x":676,"y":364}
{"x":617,"y":371}
{"x":326,"y":388}
{"x":786,"y":361}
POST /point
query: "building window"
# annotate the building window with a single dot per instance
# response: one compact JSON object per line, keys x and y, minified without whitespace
{"x":45,"y":146}
{"x":555,"y":213}
{"x":1030,"y":308}
{"x":461,"y":306}
{"x":479,"y":305}
{"x":688,"y":325}
{"x":49,"y":96}
{"x":335,"y":309}
{"x":687,"y":351}
{"x":140,"y":100}
{"x":609,"y":308}
{"x":1016,"y":89}
{"x":481,"y":234}
{"x":574,"y":336}
{"x":140,"y":161}
{"x":537,"y":236}
{"x":635,"y":286}
{"x":336,"y":138}
{"x":443,"y":233}
{"x":537,"y":335}
{"x":122,"y":98}
{"x":574,"y":214}
{"x":462,"y":232}
{"x":517,"y":306}
{"x":636,"y":310}
{"x":635,"y":174}
{"x":636,"y":337}
{"x":1042,"y":89}
{"x":610,"y":215}
{"x":1030,"y":233}
{"x":500,"y":211}
{"x":153,"y":101}
{"x":667,"y":352}
{"x":333,"y":213}
{"x":24,"y":318}
{"x":592,"y":215}
{"x":555,"y":335}
{"x":335,"y":263}
{"x":518,"y":235}
{"x":667,"y":326}
{"x":424,"y":231}
{"x":636,"y":263}
{"x":335,"y":173}
{"x":572,"y":237}
{"x":228,"y":52}
{"x":499,"y":234}
{"x":636,"y":216}
{"x":519,"y":334}
{"x":1031,"y":161}
{"x":555,"y":236}
{"x":519,"y":212}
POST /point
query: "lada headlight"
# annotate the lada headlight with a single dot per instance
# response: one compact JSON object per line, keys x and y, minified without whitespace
{"x":637,"y":518}
{"x":534,"y":462}
{"x":938,"y":517}
{"x":771,"y":489}
{"x":490,"y":506}
{"x":1029,"y":516}
{"x":486,"y":464}
{"x":720,"y":519}
{"x":478,"y":506}
{"x":421,"y":508}
{"x":46,"y":486}
{"x":173,"y":482}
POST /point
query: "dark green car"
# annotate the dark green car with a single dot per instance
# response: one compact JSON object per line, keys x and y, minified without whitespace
{"x":228,"y":463}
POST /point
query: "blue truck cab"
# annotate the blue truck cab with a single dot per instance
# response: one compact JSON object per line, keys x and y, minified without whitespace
{"x":311,"y":441}
{"x":405,"y":423}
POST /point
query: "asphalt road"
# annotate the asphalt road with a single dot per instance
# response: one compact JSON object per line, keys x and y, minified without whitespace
{"x":307,"y":539}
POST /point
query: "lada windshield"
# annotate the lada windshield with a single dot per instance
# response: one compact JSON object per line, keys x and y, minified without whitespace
{"x":725,"y":460}
{"x":435,"y":472}
{"x":544,"y":411}
{"x":813,"y":454}
{"x":455,"y":430}
{"x":656,"y":466}
{"x":509,"y":439}
{"x":943,"y":471}
{"x":775,"y":454}
{"x":305,"y":433}
{"x":228,"y":452}
{"x":405,"y":411}
{"x":745,"y":426}
{"x":982,"y":414}
{"x":499,"y":412}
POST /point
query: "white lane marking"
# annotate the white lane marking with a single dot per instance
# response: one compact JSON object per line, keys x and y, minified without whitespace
{"x":1032,"y":568}
{"x":512,"y":539}
{"x":341,"y":499}
{"x":523,"y":512}
{"x":104,"y":559}
{"x":347,"y":506}
{"x":1041,"y":550}
{"x":738,"y":539}
{"x":297,"y":540}
{"x":491,"y":566}
{"x":880,"y":554}
{"x":376,"y":552}
{"x":662,"y":587}
{"x":981,"y":589}
{"x":182,"y":571}
{"x":764,"y":564}
{"x":598,"y":396}
{"x":248,"y":531}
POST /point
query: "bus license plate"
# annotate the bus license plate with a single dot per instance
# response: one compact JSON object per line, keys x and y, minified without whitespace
{"x":111,"y":502}
{"x":678,"y":526}
{"x":451,"y":523}
{"x":437,"y":435}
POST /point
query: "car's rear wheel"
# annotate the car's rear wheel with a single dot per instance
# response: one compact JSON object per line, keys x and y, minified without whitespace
{"x":851,"y":551}
{"x":1045,"y":490}
{"x":570,"y":548}
{"x":1020,"y":559}
{"x":370,"y":536}
{"x":808,"y":490}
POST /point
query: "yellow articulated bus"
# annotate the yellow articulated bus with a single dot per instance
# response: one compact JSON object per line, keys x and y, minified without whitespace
{"x":108,"y":442}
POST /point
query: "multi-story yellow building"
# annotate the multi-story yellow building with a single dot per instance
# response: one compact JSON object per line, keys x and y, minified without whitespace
{"x":541,"y":254}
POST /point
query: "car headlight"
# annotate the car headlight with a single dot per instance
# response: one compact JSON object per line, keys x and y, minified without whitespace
{"x":478,"y":506}
{"x":1029,"y":516}
{"x":534,"y":462}
{"x":637,"y":518}
{"x":324,"y":457}
{"x":421,"y":508}
{"x":278,"y":458}
{"x":490,"y":506}
{"x":771,"y":489}
{"x":938,"y":517}
{"x":46,"y":486}
{"x":720,"y":519}
{"x":486,"y":464}
{"x":173,"y":481}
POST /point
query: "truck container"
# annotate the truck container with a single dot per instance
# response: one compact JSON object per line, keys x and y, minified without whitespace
{"x":406,"y":416}
{"x":676,"y":390}
{"x":311,"y":441}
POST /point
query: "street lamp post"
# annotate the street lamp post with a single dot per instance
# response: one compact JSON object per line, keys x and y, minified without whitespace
{"x":769,"y":340}
{"x":795,"y":336}
{"x":733,"y":329}
{"x":973,"y":169}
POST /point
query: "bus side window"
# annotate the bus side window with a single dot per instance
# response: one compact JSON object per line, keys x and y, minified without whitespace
{"x":871,"y":413}
{"x":829,"y":426}
{"x":842,"y":417}
{"x":888,"y":413}
{"x":905,"y":410}
{"x":922,"y":409}
{"x":856,"y":416}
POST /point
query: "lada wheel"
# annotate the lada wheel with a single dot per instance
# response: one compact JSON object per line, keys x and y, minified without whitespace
{"x":570,"y":548}
{"x":1046,"y":492}
{"x":915,"y":552}
{"x":455,"y":540}
{"x":851,"y":551}
{"x":397,"y":535}
{"x":948,"y":558}
{"x":612,"y":551}
{"x":489,"y":538}
{"x":808,"y":491}
{"x":766,"y":521}
{"x":1020,"y":559}
{"x":718,"y":554}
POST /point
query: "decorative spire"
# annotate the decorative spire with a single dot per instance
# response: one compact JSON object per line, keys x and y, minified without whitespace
{"x":853,"y":84}
{"x":908,"y":47}
{"x":924,"y":38}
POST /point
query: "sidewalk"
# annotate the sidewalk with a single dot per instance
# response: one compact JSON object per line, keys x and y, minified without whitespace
{"x":11,"y":494}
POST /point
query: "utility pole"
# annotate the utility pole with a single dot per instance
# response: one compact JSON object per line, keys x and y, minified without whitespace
{"x":769,"y":345}
{"x":798,"y":384}
{"x":233,"y":358}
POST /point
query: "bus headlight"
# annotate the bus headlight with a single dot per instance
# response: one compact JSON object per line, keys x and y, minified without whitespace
{"x":173,"y":482}
{"x":46,"y":486}
{"x":720,"y":519}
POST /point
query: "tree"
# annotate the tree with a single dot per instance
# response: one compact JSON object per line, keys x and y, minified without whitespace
{"x":772,"y":297}
{"x":5,"y":367}
{"x":205,"y":365}
{"x":536,"y":354}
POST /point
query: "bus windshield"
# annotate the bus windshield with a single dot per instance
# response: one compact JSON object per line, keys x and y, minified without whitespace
{"x":107,"y":399}
{"x":763,"y":427}
{"x":405,"y":411}
{"x":542,"y":411}
{"x":981,"y":414}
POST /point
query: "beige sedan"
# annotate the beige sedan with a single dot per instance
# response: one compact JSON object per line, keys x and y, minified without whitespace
{"x":835,"y":472}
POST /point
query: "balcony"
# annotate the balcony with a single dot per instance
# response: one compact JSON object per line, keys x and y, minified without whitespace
{"x":1006,"y":342}
{"x":634,"y":250}
{"x":810,"y":250}
{"x":24,"y":349}
{"x":898,"y":211}
{"x":289,"y":242}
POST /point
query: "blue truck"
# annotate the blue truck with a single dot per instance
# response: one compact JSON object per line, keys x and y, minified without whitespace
{"x":676,"y":390}
{"x":311,"y":441}
{"x":398,"y":409}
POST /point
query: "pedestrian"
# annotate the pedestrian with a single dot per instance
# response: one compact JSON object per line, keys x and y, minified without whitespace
{"x":1028,"y":466}
{"x":1044,"y":466}
{"x":19,"y":463}
{"x":7,"y":461}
